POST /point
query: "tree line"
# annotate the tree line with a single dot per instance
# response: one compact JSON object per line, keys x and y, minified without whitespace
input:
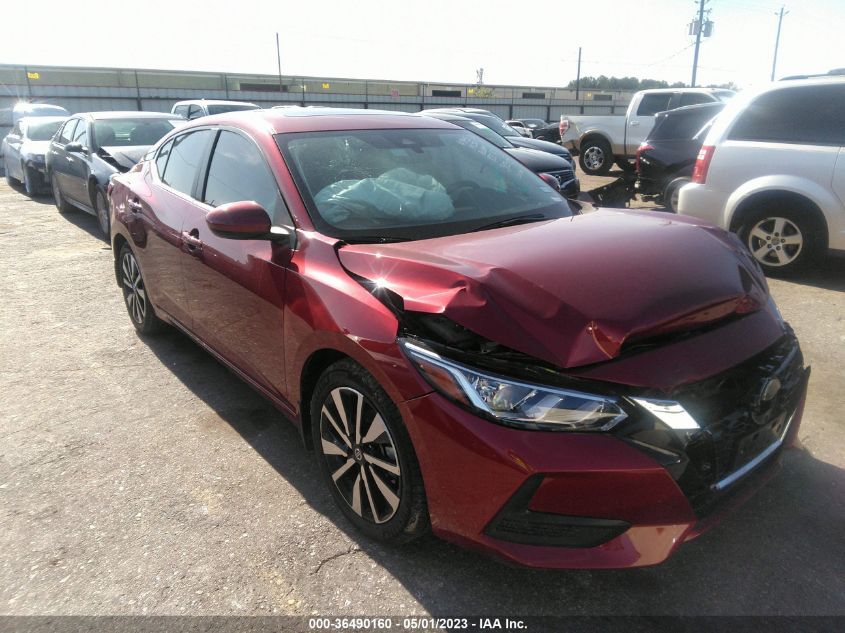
{"x":631,"y":84}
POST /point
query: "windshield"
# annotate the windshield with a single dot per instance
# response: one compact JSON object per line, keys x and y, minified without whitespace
{"x":374,"y":185}
{"x":220,"y":108}
{"x":131,"y":132}
{"x":484,"y":132}
{"x":532,"y":123}
{"x":42,"y":131}
{"x":724,"y":95}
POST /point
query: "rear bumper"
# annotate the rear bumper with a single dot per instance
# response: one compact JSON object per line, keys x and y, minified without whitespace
{"x":698,"y":201}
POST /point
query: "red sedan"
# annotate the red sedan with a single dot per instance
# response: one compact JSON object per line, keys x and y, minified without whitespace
{"x":463,"y":349}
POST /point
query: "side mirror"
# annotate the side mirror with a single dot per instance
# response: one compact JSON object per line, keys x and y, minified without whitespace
{"x":551,"y":181}
{"x":75,"y":148}
{"x":245,"y":220}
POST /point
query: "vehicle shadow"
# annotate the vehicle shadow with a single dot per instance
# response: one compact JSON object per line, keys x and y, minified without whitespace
{"x":827,"y":273}
{"x":43,"y":197}
{"x":781,"y":553}
{"x":86,"y":222}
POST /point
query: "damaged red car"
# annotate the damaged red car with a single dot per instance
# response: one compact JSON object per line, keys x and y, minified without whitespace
{"x":464,"y":350}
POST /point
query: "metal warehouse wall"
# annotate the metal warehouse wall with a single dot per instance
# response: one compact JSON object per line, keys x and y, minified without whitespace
{"x":92,"y":89}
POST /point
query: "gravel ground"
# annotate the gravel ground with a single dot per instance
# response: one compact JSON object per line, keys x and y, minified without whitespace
{"x":141,"y":477}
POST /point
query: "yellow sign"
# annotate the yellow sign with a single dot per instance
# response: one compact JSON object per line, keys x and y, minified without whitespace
{"x":33,"y":76}
{"x":472,"y":91}
{"x":326,"y":86}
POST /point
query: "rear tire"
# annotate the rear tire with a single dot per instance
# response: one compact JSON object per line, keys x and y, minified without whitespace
{"x":135,"y":294}
{"x":61,"y":204}
{"x":596,"y":157}
{"x":29,"y":181}
{"x":671,"y":192}
{"x":782,"y":237}
{"x":365,"y":455}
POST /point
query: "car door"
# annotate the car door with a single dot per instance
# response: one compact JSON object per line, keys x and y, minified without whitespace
{"x":173,"y":179}
{"x":59,"y":165}
{"x":641,"y":121}
{"x":12,"y":152}
{"x":235,"y":288}
{"x":78,"y":166}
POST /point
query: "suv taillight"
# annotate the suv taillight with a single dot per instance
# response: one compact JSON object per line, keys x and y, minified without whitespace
{"x":642,"y":148}
{"x":563,"y":125}
{"x":702,"y":164}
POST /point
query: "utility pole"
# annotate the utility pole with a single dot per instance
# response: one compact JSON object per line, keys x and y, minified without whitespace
{"x":578,"y":77}
{"x":279,"y":61}
{"x":698,"y":31}
{"x":777,"y":41}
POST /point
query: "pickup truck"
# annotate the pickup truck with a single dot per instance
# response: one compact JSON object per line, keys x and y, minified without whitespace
{"x":602,"y":140}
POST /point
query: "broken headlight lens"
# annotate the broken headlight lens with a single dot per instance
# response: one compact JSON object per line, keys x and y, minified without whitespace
{"x":512,"y":402}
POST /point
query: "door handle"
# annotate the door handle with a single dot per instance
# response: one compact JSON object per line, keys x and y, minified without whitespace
{"x":634,"y":123}
{"x":192,"y":242}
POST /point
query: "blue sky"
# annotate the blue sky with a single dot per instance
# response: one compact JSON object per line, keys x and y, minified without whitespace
{"x":527,"y":42}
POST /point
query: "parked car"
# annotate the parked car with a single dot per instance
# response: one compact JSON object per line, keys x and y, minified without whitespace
{"x":24,"y":151}
{"x":462,"y":348}
{"x":503,"y":129}
{"x":197,"y":108}
{"x":538,"y":162}
{"x":520,"y":127}
{"x":90,"y":147}
{"x":665,"y":159}
{"x":602,"y":140}
{"x":10,"y":116}
{"x":771,"y":169}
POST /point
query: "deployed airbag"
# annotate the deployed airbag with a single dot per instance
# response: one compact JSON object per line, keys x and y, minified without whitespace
{"x":398,"y":193}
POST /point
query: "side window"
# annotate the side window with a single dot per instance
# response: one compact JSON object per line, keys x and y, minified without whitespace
{"x":811,"y":114}
{"x":81,"y":134}
{"x":17,"y":129}
{"x":66,"y":135}
{"x":194,"y":112}
{"x":693,"y":98}
{"x":238,"y":172}
{"x":181,"y":111}
{"x":185,"y":154}
{"x":653,"y":103}
{"x":161,"y":159}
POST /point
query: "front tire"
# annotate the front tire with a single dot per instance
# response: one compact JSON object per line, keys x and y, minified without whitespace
{"x":365,"y":455}
{"x":596,"y":157}
{"x":101,"y":206}
{"x":29,"y":180}
{"x":135,"y":295}
{"x":61,"y":204}
{"x":782,"y":238}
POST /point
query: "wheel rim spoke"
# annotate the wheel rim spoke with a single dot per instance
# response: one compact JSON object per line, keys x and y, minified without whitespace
{"x":375,"y":461}
{"x":760,"y":234}
{"x":783,"y":258}
{"x":761,"y":252}
{"x":792,"y":240}
{"x":779,"y":224}
{"x":335,"y":426}
{"x":377,"y":428}
{"x":340,"y":471}
{"x":356,"y":495}
{"x":341,"y":410}
{"x":330,"y":448}
{"x":359,"y":405}
{"x":386,"y":492}
{"x":372,"y":503}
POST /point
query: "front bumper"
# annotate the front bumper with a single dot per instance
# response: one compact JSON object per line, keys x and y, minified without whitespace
{"x":578,"y":500}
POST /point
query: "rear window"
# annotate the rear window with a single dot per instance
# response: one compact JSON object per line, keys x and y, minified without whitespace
{"x":807,"y":114}
{"x":681,"y":126}
{"x":42,"y":131}
{"x":130,"y":132}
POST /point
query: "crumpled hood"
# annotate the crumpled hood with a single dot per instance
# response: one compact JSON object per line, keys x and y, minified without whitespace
{"x":572,"y":291}
{"x":126,"y":157}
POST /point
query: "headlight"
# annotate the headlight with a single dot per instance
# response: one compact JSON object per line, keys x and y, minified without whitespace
{"x":514,"y":403}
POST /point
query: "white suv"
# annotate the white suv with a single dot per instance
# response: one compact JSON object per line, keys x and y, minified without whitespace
{"x":772,"y":169}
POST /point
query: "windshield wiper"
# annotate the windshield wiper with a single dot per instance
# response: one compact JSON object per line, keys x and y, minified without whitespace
{"x":373,"y":239}
{"x":520,"y":219}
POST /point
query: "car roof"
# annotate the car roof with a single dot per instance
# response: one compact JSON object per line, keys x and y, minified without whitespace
{"x":24,"y":106}
{"x":279,"y":121}
{"x":42,"y":119}
{"x":129,"y":114}
{"x":705,"y":90}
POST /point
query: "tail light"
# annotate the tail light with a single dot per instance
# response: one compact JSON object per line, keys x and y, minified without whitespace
{"x":702,"y":164}
{"x":563,"y":126}
{"x":642,"y":148}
